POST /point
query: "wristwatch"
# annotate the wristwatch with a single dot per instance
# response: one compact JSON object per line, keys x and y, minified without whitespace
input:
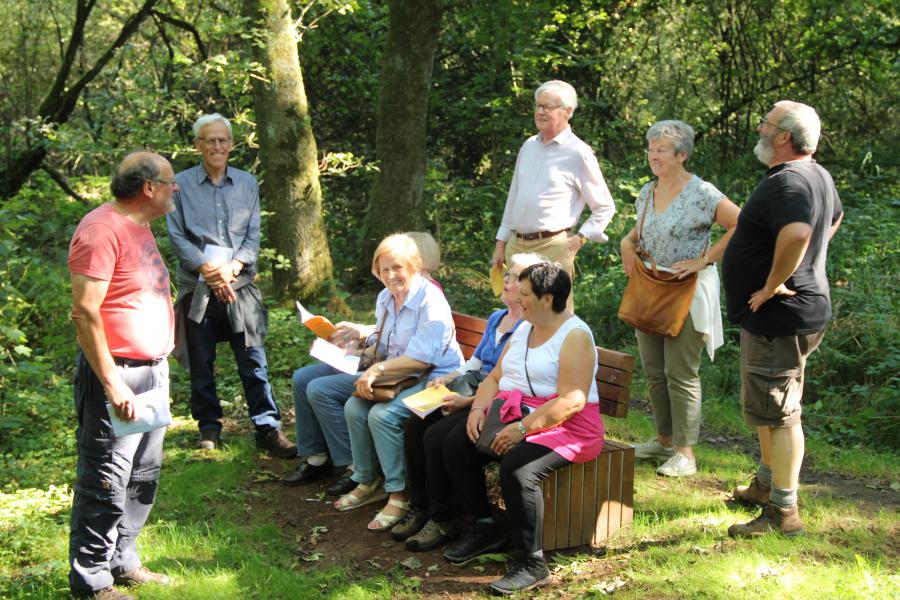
{"x":583,"y":237}
{"x":380,"y":368}
{"x":522,"y":429}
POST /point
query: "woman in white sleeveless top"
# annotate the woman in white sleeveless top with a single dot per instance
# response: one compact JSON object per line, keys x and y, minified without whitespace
{"x":546,"y":373}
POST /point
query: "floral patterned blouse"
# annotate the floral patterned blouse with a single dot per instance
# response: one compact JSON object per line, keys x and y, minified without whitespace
{"x":681,"y":232}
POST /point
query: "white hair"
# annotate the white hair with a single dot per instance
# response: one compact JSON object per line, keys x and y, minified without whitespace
{"x":803,"y":123}
{"x":678,"y":132}
{"x":566,"y":92}
{"x":205,"y":120}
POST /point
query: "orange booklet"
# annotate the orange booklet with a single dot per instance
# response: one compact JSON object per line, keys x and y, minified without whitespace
{"x":319,"y":325}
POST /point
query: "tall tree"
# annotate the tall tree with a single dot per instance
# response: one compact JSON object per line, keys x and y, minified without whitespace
{"x":402,"y":110}
{"x":61,"y":99}
{"x":288,"y":155}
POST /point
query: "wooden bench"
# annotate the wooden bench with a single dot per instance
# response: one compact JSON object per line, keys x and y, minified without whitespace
{"x":585,"y":503}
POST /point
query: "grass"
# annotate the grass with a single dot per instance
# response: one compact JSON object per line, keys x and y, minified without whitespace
{"x":211,"y":528}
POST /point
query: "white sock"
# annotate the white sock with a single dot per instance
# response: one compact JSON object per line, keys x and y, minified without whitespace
{"x":317,"y":460}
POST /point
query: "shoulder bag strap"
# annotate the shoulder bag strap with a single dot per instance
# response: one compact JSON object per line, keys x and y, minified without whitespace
{"x":527,"y":377}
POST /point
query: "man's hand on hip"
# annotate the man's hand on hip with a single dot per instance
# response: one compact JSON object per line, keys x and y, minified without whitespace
{"x":574,"y":243}
{"x":760,"y":297}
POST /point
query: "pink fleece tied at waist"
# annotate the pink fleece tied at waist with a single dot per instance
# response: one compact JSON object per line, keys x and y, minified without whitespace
{"x":578,"y":439}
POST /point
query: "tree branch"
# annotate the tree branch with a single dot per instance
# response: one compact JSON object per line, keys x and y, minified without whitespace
{"x":181,"y":24}
{"x":63,"y":183}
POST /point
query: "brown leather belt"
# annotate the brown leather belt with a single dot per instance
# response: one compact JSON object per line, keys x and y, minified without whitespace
{"x":538,"y":235}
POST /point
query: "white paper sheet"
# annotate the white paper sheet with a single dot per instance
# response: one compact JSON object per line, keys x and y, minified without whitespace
{"x":216,"y":255}
{"x":332,"y":355}
{"x":151,"y":409}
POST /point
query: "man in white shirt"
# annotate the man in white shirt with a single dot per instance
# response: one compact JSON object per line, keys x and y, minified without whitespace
{"x":556,"y":175}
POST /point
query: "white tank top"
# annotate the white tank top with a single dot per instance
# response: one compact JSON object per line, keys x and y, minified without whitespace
{"x":543,"y":361}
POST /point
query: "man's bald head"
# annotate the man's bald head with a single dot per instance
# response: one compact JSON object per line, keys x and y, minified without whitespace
{"x":133,"y":171}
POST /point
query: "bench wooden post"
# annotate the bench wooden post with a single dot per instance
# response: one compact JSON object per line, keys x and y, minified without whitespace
{"x":585,"y":503}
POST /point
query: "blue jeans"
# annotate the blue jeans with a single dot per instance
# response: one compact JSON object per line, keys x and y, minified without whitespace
{"x":376,"y":436}
{"x":252,"y":367}
{"x":320,"y":393}
{"x":115,"y":482}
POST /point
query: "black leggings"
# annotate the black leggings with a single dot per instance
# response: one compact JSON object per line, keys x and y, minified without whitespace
{"x":521,"y":472}
{"x":423,"y":442}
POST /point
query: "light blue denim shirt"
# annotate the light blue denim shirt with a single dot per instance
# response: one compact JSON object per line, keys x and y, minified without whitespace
{"x":422,"y":329}
{"x":224,"y":215}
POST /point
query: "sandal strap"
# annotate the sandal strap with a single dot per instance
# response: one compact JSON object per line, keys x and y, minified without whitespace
{"x":404,"y":504}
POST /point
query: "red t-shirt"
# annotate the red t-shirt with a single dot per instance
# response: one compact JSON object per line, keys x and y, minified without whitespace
{"x":137,"y":311}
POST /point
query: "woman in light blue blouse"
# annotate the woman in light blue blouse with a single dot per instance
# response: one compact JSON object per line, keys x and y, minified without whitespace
{"x":676,"y":232}
{"x":416,"y":333}
{"x":430,"y":520}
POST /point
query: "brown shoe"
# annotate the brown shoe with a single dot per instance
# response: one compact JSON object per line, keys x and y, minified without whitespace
{"x":772,"y":518}
{"x":140,"y":576}
{"x":753,"y":494}
{"x":209,"y":439}
{"x":275,"y":442}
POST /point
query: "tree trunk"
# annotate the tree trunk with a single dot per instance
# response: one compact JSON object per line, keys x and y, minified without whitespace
{"x":396,"y":201}
{"x":290,"y":179}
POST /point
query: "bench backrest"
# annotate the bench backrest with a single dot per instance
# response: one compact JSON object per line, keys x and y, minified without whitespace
{"x":613,"y":373}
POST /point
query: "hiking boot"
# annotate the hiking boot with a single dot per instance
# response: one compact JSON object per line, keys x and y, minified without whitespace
{"x":480,"y":538}
{"x":410,"y":524}
{"x":107,"y":593}
{"x":140,"y":576}
{"x":652,"y":449}
{"x":432,"y":535}
{"x":677,"y":466}
{"x":772,"y":518}
{"x":275,"y":442}
{"x":524,"y":574}
{"x":753,"y":494}
{"x":209,"y":439}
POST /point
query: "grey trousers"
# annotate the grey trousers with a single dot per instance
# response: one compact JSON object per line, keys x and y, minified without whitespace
{"x":672,"y":366}
{"x":116,"y":481}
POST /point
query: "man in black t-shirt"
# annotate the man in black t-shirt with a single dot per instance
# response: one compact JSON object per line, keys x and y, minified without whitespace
{"x":776,"y":289}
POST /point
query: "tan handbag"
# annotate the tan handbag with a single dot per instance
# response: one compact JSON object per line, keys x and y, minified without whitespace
{"x":655,"y":302}
{"x":387,"y":387}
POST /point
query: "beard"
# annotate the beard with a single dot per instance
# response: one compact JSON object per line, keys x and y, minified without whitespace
{"x":764,"y":150}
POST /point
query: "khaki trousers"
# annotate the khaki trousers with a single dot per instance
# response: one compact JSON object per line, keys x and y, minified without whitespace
{"x":672,"y":366}
{"x":553,"y":248}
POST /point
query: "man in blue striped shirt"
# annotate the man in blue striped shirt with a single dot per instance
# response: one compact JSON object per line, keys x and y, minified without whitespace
{"x":214,"y":230}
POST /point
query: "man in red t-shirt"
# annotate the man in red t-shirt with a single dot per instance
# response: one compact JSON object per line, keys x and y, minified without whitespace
{"x":122,"y":309}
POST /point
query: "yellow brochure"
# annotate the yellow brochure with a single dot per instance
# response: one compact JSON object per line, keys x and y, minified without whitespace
{"x":427,"y":401}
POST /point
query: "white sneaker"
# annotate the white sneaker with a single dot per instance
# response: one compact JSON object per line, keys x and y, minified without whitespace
{"x":652,"y":449}
{"x":677,"y":466}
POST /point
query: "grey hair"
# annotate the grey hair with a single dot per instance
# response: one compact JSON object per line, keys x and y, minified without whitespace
{"x":205,"y":120}
{"x":803,"y":123}
{"x":526,"y":259}
{"x":565,"y":91}
{"x":128,"y":181}
{"x":678,"y":132}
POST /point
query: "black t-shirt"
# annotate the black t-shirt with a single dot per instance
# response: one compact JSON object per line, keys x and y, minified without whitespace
{"x":800,"y":191}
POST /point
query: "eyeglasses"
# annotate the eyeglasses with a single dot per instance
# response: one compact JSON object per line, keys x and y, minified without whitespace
{"x":215,"y":141}
{"x":762,"y":122}
{"x":546,"y":107}
{"x":510,"y":276}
